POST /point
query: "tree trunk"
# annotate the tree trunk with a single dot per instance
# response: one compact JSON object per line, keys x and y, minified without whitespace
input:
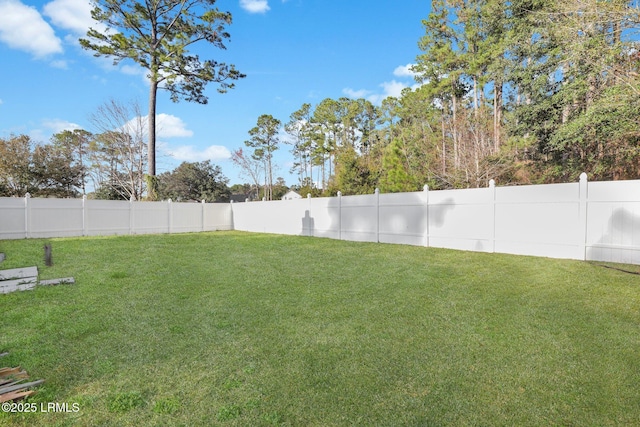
{"x":497,"y":115}
{"x":444,"y":145}
{"x":270,"y":197}
{"x":151,"y":148}
{"x":456,"y":162}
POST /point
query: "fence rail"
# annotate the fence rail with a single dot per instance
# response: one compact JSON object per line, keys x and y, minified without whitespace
{"x":584,"y":220}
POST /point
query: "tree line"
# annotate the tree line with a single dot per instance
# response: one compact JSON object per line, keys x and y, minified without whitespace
{"x":527,"y":91}
{"x":108,"y":164}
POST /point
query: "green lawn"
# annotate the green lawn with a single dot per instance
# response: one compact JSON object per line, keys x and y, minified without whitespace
{"x":232,"y":328}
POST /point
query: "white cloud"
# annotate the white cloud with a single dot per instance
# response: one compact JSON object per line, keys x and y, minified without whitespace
{"x":355,"y":93}
{"x":168,"y":126}
{"x":22,"y":27}
{"x":58,"y":125}
{"x":190,"y":154}
{"x":255,"y":6}
{"x":73,"y":15}
{"x":392,"y":88}
{"x":404,"y":71}
{"x":133,"y":70}
{"x":49,"y":127}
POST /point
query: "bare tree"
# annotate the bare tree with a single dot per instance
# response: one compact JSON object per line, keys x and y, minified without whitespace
{"x":249,"y":168}
{"x":119,"y":151}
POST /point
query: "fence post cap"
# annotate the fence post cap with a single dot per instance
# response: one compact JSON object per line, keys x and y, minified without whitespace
{"x":308,"y":195}
{"x":377,"y":191}
{"x":492,"y":183}
{"x":425,"y":187}
{"x":583,"y":177}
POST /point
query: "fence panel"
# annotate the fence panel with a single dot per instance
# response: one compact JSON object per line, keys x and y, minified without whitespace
{"x":324,"y":217}
{"x":217,"y":216}
{"x":540,"y":220}
{"x":150,"y":217}
{"x":185,"y":217}
{"x":280,"y":217}
{"x":403,"y":218}
{"x":12,"y":218}
{"x":55,"y":217}
{"x":359,"y":218}
{"x":243,"y":218}
{"x":107,"y":217}
{"x":461,"y":219}
{"x":613,"y":222}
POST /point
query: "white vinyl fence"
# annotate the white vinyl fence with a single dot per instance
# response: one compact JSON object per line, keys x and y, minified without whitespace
{"x":34,"y":217}
{"x":584,"y":220}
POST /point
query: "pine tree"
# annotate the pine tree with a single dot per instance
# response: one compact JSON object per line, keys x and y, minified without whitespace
{"x":394,"y":177}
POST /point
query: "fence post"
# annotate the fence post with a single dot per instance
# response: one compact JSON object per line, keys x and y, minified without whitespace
{"x":84,"y":214}
{"x":583,"y":194}
{"x":425,"y":191}
{"x":492,"y":189}
{"x":202,"y":215}
{"x":377,"y":193}
{"x":131,"y":217}
{"x":309,"y":226}
{"x":27,"y":216}
{"x":339,"y":215}
{"x":170,"y":215}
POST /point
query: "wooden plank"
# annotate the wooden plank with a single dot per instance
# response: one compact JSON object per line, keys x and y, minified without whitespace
{"x":10,"y":383}
{"x":22,"y":281}
{"x":5,"y":372}
{"x":63,"y":281}
{"x":12,"y":379}
{"x":26,"y":284}
{"x":8,"y":289}
{"x":18,"y":273}
{"x":21,"y":374}
{"x":18,"y":387}
{"x":15,"y":395}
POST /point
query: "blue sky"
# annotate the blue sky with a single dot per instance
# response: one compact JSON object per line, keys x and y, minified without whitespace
{"x":292,"y":51}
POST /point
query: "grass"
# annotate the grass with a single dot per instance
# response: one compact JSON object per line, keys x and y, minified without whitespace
{"x":237,"y":329}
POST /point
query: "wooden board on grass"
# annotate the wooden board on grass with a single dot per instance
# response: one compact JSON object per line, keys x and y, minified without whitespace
{"x":23,"y":284}
{"x":18,"y":273}
{"x":63,"y":281}
{"x":15,"y":395}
